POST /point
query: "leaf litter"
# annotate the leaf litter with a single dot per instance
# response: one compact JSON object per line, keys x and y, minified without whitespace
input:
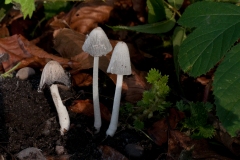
{"x":29,"y":119}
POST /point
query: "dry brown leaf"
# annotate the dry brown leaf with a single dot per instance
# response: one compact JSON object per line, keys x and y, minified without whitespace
{"x":4,"y":32}
{"x":178,"y":142}
{"x":86,"y":107}
{"x":232,"y":143}
{"x":110,"y":153}
{"x":159,"y":130}
{"x":87,"y":15}
{"x":20,"y":49}
{"x":81,"y":79}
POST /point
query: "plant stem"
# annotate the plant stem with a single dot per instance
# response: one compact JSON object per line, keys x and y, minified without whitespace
{"x":116,"y":104}
{"x":97,"y":113}
{"x":7,"y":74}
{"x":172,"y":8}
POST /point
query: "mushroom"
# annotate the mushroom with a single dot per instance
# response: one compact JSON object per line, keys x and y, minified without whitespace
{"x":52,"y":73}
{"x":119,"y":64}
{"x":96,"y":44}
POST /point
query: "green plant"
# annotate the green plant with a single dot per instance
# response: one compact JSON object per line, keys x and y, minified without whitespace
{"x":213,"y":40}
{"x":196,"y":120}
{"x":28,"y":7}
{"x":161,"y":17}
{"x":154,"y":100}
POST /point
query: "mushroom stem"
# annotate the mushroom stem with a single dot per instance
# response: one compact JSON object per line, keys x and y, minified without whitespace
{"x":97,"y":113}
{"x":116,"y":105}
{"x":63,"y":116}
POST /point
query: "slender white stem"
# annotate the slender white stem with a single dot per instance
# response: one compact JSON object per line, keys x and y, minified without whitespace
{"x":97,"y":113}
{"x":116,"y":105}
{"x":63,"y":116}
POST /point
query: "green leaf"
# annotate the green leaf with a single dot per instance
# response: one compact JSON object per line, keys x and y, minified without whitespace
{"x":51,"y":8}
{"x":138,"y":124}
{"x":159,"y":27}
{"x":156,"y":11}
{"x":227,"y":90}
{"x":27,"y":6}
{"x":8,"y":1}
{"x":2,"y":13}
{"x":178,"y":37}
{"x":177,"y":4}
{"x":217,"y":29}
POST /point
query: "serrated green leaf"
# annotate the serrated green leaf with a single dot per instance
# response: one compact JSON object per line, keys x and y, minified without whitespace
{"x":177,"y":4}
{"x":27,"y":6}
{"x":159,"y":27}
{"x":217,"y":30}
{"x":227,"y":90}
{"x":156,"y":11}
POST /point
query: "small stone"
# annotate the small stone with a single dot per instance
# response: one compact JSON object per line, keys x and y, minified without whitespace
{"x":30,"y":154}
{"x":59,"y":150}
{"x":25,"y":73}
{"x":134,"y":150}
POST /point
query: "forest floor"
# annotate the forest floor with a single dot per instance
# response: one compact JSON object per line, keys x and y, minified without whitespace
{"x":29,"y":120}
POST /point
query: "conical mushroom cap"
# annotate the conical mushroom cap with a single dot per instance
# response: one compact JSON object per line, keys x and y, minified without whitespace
{"x":53,"y":72}
{"x":120,"y":60}
{"x":97,"y":43}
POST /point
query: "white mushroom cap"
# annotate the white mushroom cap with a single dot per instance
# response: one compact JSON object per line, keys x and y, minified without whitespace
{"x":53,"y":72}
{"x":120,"y":61}
{"x":97,"y":44}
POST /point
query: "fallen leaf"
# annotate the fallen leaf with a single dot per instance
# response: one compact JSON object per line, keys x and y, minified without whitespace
{"x":110,"y":153}
{"x":86,"y":107}
{"x":81,"y":79}
{"x":159,"y":130}
{"x":21,"y":50}
{"x":86,"y":16}
{"x":4,"y":32}
{"x":179,"y":143}
{"x":232,"y":143}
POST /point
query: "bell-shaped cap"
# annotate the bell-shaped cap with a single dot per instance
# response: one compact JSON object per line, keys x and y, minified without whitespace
{"x":97,"y":44}
{"x":120,"y":60}
{"x":53,"y":72}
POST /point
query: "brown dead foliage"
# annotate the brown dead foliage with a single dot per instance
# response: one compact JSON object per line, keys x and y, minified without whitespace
{"x":178,"y":143}
{"x":110,"y":153}
{"x":160,"y":129}
{"x":86,"y":16}
{"x":86,"y":107}
{"x":21,"y":50}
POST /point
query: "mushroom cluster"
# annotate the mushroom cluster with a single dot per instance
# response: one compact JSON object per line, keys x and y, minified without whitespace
{"x":97,"y":44}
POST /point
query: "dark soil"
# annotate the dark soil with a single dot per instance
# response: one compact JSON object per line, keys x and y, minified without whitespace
{"x":29,"y":119}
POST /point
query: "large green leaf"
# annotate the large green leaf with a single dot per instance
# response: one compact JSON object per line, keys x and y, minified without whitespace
{"x":156,"y":11}
{"x":27,"y":6}
{"x":159,"y":27}
{"x":217,"y":28}
{"x":227,"y":90}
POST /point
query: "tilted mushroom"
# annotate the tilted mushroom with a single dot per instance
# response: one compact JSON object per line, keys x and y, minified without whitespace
{"x":96,"y":44}
{"x":119,"y":64}
{"x":52,"y":73}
